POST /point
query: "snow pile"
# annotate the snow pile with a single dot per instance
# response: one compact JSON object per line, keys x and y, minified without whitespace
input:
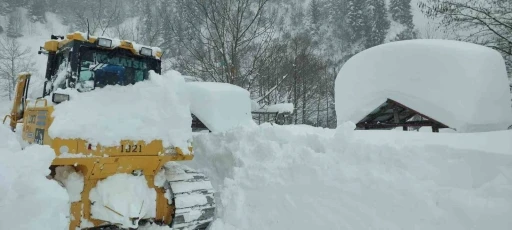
{"x":288,"y":177}
{"x":121,"y":197}
{"x":220,"y":106}
{"x":72,"y":180}
{"x":462,"y":85}
{"x":25,"y":192}
{"x":154,"y":109}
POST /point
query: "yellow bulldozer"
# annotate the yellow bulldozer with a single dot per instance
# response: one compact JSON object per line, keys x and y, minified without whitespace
{"x":76,"y":51}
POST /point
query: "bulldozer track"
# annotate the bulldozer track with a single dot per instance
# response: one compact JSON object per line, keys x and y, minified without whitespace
{"x":193,"y":197}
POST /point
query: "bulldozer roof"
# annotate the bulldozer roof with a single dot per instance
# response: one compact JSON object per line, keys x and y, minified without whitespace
{"x":56,"y":44}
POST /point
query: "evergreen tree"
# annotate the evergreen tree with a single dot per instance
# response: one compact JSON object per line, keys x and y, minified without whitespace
{"x":5,"y":8}
{"x":37,"y":10}
{"x":9,"y":6}
{"x":377,"y":23}
{"x":356,"y":19}
{"x":297,"y":17}
{"x":401,"y":12}
{"x":147,"y":23}
{"x":315,"y":13}
{"x":338,"y":11}
{"x":14,"y":26}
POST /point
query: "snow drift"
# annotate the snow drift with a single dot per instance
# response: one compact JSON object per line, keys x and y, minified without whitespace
{"x":28,"y":200}
{"x":460,"y":84}
{"x":155,"y":109}
{"x":293,"y":177}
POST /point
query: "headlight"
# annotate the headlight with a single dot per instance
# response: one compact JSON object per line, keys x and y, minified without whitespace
{"x":105,"y":42}
{"x":146,"y":51}
{"x":59,"y":97}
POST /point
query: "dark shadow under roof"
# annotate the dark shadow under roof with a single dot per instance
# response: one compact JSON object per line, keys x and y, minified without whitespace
{"x":392,"y":114}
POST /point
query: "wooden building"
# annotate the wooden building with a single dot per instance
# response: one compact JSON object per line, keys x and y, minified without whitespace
{"x":392,"y":114}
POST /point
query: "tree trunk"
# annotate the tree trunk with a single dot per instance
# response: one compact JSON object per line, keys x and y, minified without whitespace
{"x":303,"y":101}
{"x":295,"y":98}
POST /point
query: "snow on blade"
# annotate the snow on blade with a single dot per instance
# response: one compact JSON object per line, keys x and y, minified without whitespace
{"x":220,"y":106}
{"x":71,"y":180}
{"x":287,"y":177}
{"x":460,"y":84}
{"x":155,"y":109}
{"x":28,"y":200}
{"x":123,"y":196}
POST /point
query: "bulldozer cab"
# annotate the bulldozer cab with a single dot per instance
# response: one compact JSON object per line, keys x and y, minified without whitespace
{"x":88,"y":63}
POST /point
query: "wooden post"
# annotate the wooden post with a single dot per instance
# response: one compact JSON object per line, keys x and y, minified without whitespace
{"x":395,"y":115}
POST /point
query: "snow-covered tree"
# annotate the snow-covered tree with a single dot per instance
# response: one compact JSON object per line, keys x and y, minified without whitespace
{"x":376,"y":23}
{"x":14,"y":58}
{"x":356,"y":15}
{"x":315,"y":12}
{"x":37,"y":11}
{"x":14,"y":26}
{"x":485,"y":22}
{"x":401,"y":12}
{"x":149,"y":27}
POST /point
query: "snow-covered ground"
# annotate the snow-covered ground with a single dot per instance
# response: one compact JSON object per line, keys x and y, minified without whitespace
{"x":290,"y":177}
{"x":300,"y":177}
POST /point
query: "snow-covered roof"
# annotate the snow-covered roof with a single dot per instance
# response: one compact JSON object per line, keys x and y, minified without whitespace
{"x":220,"y":106}
{"x":462,"y":85}
{"x":275,"y":108}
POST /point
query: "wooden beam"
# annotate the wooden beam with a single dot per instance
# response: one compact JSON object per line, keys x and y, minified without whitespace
{"x":421,"y":114}
{"x":406,"y":124}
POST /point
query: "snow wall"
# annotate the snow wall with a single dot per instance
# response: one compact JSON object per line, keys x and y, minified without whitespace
{"x":462,"y":85}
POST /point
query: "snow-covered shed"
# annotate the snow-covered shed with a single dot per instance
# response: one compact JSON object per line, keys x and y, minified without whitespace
{"x":219,"y":107}
{"x":459,"y":85}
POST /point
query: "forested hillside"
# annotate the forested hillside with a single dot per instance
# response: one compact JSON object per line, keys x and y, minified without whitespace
{"x":280,"y":50}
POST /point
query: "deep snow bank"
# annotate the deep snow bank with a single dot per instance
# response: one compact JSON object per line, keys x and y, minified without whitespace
{"x":306,"y":178}
{"x":462,"y":85}
{"x":25,"y":192}
{"x":158,"y":108}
